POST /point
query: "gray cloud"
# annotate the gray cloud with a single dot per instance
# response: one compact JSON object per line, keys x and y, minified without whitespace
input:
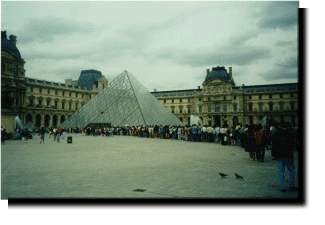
{"x":289,"y":63}
{"x":282,"y":15}
{"x":286,"y":43}
{"x":47,"y":28}
{"x":240,"y":55}
{"x":288,"y":69}
{"x":241,"y":39}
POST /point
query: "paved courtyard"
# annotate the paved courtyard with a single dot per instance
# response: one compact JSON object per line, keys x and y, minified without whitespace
{"x":114,"y":167}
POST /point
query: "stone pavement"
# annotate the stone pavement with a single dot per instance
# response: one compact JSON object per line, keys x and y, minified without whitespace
{"x":114,"y":167}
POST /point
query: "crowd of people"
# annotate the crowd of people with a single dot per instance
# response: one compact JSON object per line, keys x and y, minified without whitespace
{"x":282,"y":139}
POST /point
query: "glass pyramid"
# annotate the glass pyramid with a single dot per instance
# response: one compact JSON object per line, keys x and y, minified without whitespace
{"x":124,"y":102}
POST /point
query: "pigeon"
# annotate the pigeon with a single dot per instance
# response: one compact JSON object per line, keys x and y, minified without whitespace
{"x":238,"y":177}
{"x":223,"y":175}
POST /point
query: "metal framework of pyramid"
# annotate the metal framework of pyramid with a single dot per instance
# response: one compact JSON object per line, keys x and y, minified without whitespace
{"x":124,"y":102}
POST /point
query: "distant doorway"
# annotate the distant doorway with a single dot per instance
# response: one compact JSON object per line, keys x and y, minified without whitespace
{"x":235,"y":121}
{"x":217,"y":121}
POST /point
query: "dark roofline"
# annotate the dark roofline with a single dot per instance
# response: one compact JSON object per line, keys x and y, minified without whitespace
{"x":156,"y":92}
{"x":266,"y":85}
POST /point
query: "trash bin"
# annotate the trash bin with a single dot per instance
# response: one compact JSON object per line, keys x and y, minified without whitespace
{"x":69,"y":139}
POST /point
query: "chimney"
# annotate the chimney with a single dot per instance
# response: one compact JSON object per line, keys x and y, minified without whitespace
{"x":155,"y":90}
{"x":243,"y":85}
{"x":230,"y":72}
{"x":4,"y":34}
{"x":208,"y":71}
{"x":13,"y":39}
{"x":199,"y":87}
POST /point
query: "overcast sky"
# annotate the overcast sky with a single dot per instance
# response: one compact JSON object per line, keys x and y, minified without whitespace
{"x":164,"y":45}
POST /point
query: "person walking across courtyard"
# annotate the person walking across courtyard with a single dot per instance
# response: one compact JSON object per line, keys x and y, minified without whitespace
{"x":283,"y":150}
{"x":42,"y":134}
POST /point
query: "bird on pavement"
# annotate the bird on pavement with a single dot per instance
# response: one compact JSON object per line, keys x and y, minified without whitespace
{"x":223,"y":175}
{"x":238,"y":176}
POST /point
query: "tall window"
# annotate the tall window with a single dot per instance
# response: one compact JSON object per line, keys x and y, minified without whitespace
{"x":180,"y":100}
{"x":281,"y":106}
{"x":31,"y":89}
{"x":48,"y":102}
{"x":235,"y":107}
{"x":63,"y":92}
{"x":40,"y":90}
{"x":250,"y":107}
{"x":260,"y":106}
{"x":40,"y":102}
{"x":63,"y":105}
{"x":56,"y":92}
{"x":292,"y":105}
{"x":3,"y":68}
{"x":48,"y":91}
{"x":76,"y":106}
{"x":225,"y":108}
{"x":200,"y":108}
{"x":209,"y":108}
{"x":189,"y":109}
{"x":16,"y":71}
{"x":189,"y":100}
{"x":181,"y":110}
{"x":164,"y":100}
{"x":172,"y":100}
{"x":217,"y":108}
{"x":209,"y":99}
{"x":270,"y":106}
{"x":70,"y":105}
{"x":70,"y":94}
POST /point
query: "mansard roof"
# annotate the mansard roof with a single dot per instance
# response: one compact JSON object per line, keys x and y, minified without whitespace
{"x":268,"y":88}
{"x":175,"y":93}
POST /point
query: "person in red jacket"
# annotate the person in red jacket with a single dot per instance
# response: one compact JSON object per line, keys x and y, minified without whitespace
{"x":260,"y":136}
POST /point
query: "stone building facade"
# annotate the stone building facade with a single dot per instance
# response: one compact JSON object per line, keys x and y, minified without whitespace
{"x":42,"y":102}
{"x":48,"y":103}
{"x":220,"y":101}
{"x":13,"y":87}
